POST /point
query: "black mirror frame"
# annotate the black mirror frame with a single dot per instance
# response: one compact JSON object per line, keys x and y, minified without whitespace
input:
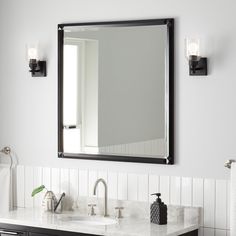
{"x":170,"y":29}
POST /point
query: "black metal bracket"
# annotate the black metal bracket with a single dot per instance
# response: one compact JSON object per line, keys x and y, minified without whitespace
{"x":39,"y":69}
{"x":198,"y":67}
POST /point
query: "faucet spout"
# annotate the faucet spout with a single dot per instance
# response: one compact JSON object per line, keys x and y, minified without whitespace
{"x":105,"y":193}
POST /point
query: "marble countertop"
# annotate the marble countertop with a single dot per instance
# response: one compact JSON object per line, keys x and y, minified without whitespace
{"x":123,"y":227}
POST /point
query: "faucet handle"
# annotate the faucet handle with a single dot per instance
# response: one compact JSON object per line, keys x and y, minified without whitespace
{"x":92,"y":211}
{"x":119,"y":212}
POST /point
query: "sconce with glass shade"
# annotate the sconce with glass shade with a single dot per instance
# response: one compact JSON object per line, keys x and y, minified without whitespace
{"x":37,"y":67}
{"x":197,"y":64}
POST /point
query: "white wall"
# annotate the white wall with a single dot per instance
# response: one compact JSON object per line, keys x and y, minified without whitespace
{"x":118,"y":46}
{"x":134,"y":84}
{"x":205,"y":107}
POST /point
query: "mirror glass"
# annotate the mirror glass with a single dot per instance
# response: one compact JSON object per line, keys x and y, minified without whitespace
{"x":115,"y":90}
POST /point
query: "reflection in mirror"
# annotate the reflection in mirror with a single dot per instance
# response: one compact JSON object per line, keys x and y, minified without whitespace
{"x":115,"y":91}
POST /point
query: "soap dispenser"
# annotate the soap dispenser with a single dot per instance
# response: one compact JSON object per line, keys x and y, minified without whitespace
{"x":158,"y":211}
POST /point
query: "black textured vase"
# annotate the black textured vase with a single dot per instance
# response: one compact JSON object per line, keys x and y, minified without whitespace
{"x":158,"y":211}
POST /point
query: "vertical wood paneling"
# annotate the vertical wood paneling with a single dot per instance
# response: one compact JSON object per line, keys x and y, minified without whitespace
{"x":101,"y":190}
{"x":209,"y":203}
{"x":132,"y":187}
{"x":29,"y":185}
{"x":122,"y":186}
{"x":153,"y":186}
{"x":151,"y":147}
{"x":165,"y":188}
{"x":228,"y":233}
{"x":47,"y":177}
{"x":228,"y":206}
{"x":221,"y":205}
{"x":209,"y":232}
{"x":198,"y":192}
{"x":64,"y":184}
{"x":83,"y":183}
{"x":20,"y":175}
{"x":211,"y":194}
{"x":112,"y":185}
{"x":186,"y":195}
{"x":198,"y":196}
{"x":37,"y":182}
{"x":200,"y":232}
{"x":219,"y":232}
{"x":74,"y":184}
{"x":103,"y":175}
{"x":55,"y":180}
{"x":175,"y":188}
{"x":93,"y":176}
{"x":143,"y":188}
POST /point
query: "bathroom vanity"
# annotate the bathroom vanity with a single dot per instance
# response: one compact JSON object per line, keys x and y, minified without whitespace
{"x":33,"y":231}
{"x":34,"y":222}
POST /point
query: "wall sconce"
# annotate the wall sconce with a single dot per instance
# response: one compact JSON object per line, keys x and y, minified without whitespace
{"x":37,"y":67}
{"x":197,"y":64}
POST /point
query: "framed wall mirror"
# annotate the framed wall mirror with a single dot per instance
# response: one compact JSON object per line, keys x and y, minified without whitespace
{"x":116,"y":91}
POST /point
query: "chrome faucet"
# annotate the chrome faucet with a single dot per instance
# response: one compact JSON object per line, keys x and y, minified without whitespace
{"x":105,"y":193}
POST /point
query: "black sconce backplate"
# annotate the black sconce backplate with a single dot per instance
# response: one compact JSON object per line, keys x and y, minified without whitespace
{"x":200,"y":68}
{"x":40,"y":69}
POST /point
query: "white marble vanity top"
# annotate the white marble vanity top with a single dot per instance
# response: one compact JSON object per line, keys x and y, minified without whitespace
{"x":124,"y":227}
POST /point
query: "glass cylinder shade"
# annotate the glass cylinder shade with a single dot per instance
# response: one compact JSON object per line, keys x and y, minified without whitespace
{"x":192,"y":47}
{"x":32,"y":52}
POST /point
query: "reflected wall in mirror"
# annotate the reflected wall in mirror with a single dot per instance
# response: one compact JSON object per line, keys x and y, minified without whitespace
{"x":115,"y":97}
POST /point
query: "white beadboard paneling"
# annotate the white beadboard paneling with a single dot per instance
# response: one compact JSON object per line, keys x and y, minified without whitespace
{"x":83,"y":183}
{"x":186,"y":195}
{"x":29,"y":186}
{"x":198,"y":195}
{"x":165,"y":189}
{"x":93,"y":176}
{"x":14,"y":187}
{"x":55,"y":180}
{"x":220,"y":232}
{"x":153,"y":186}
{"x":103,"y":175}
{"x":20,"y":186}
{"x":209,"y":232}
{"x":228,"y":206}
{"x":228,"y":233}
{"x":47,"y":177}
{"x":112,"y":185}
{"x":122,"y":186}
{"x":64,"y":184}
{"x":37,"y":182}
{"x":101,"y":190}
{"x":221,"y":204}
{"x":198,"y":192}
{"x":212,"y":195}
{"x":74,"y":184}
{"x":175,"y":186}
{"x":143,"y":188}
{"x":209,"y":203}
{"x":200,"y":232}
{"x":132,"y":187}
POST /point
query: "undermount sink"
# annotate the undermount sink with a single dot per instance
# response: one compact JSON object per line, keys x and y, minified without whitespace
{"x":89,"y":220}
